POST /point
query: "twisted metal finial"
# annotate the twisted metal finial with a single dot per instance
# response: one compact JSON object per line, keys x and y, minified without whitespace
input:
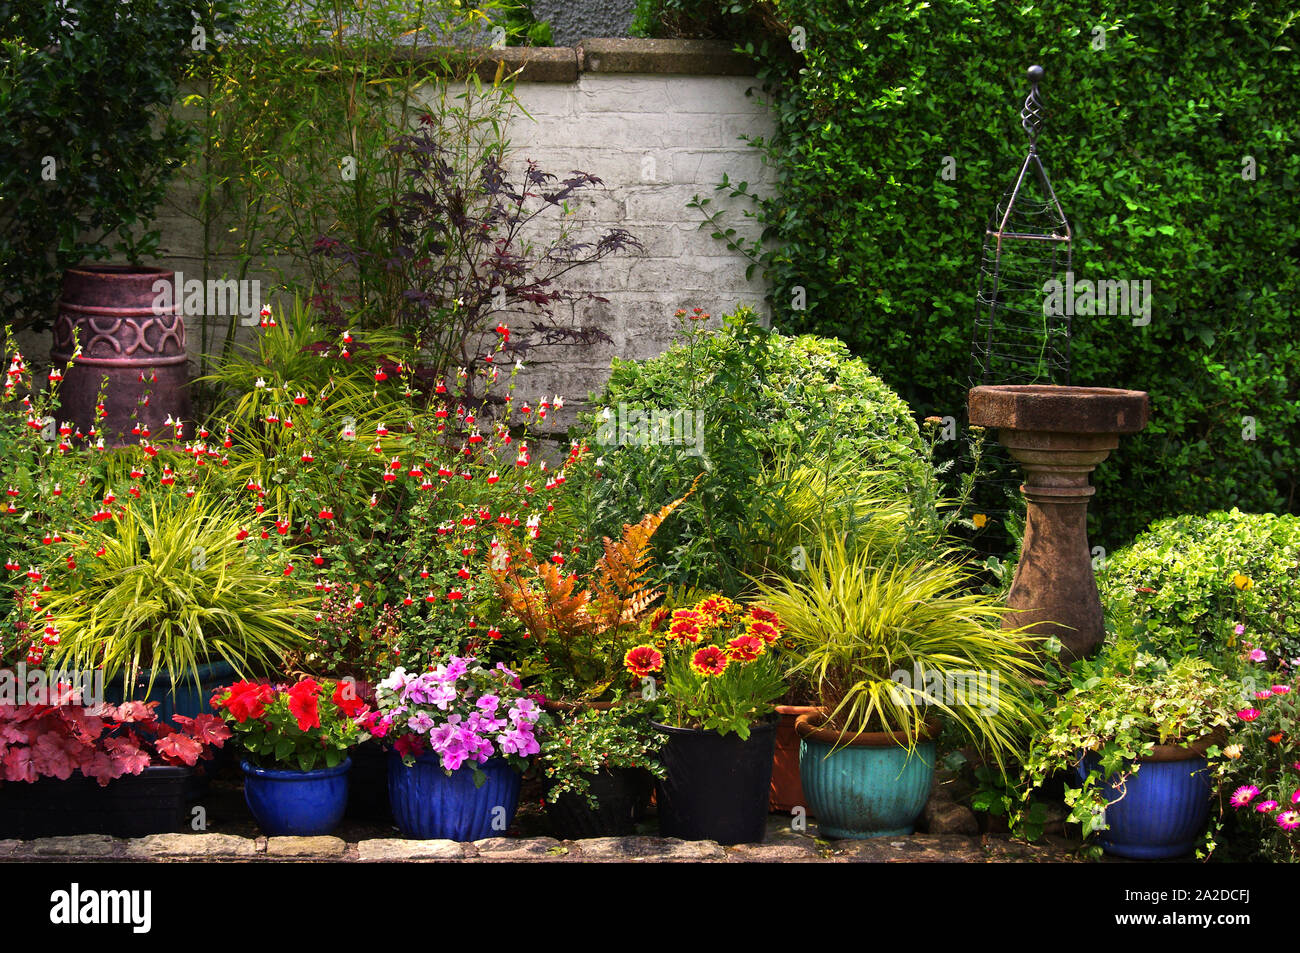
{"x":1031,"y":116}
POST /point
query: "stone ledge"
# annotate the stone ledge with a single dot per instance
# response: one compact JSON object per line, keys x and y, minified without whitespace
{"x":316,"y":848}
{"x":181,"y":846}
{"x":693,"y":57}
{"x":792,"y":848}
{"x":390,"y":849}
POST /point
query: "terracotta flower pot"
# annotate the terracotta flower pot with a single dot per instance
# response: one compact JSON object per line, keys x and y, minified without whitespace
{"x":123,"y":337}
{"x":787,"y":787}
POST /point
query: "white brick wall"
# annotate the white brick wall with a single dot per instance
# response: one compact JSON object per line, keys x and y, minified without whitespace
{"x":655,"y":140}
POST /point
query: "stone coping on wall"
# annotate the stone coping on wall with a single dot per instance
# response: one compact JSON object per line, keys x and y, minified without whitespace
{"x":563,"y":64}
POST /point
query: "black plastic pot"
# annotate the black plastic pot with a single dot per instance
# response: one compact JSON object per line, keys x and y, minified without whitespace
{"x":622,"y":795}
{"x":368,"y":783}
{"x":153,"y":802}
{"x":717,"y":786}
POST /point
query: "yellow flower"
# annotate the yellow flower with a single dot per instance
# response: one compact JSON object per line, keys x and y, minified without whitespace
{"x":979,"y":519}
{"x":1233,"y":751}
{"x":1243,"y":582}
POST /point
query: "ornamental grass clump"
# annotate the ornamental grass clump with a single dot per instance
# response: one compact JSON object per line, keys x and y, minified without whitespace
{"x":886,"y":646}
{"x":172,"y":586}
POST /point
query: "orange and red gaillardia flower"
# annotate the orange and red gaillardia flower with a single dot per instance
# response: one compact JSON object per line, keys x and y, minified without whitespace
{"x":683,"y":631}
{"x":709,"y":661}
{"x":715,"y":607}
{"x":759,"y":614}
{"x":658,"y":618}
{"x":304,"y":699}
{"x":643,"y":659}
{"x":764,"y":631}
{"x":745,"y":648}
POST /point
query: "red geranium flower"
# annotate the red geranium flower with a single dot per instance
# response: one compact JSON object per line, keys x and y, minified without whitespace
{"x":346,"y":698}
{"x":246,"y":700}
{"x":303,"y":704}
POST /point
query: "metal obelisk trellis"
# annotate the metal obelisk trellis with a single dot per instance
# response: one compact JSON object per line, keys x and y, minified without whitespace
{"x":1021,"y":337}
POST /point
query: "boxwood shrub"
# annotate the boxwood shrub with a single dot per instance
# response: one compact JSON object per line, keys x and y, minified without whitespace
{"x":759,"y":395}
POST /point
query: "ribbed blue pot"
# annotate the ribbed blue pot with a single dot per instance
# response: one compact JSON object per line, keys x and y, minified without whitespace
{"x":296,"y":803}
{"x":430,"y":805}
{"x":1162,"y":810}
{"x":864,"y":790}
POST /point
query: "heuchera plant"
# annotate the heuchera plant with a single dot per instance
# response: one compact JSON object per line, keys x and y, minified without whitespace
{"x":102,"y":742}
{"x":461,"y":711}
{"x":294,"y":727}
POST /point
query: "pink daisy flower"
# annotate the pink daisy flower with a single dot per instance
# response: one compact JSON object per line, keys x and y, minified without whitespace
{"x":1280,"y":689}
{"x":1288,"y":820}
{"x":1248,"y":714}
{"x":1295,"y":796}
{"x":1266,"y":807}
{"x":1244,"y":795}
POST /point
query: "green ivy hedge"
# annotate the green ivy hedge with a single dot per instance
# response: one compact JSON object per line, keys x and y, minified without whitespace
{"x":1156,"y":111}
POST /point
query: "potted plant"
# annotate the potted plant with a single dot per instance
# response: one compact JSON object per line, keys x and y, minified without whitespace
{"x":1261,"y":774}
{"x":715,"y":707}
{"x":296,"y":738}
{"x":461,"y":736}
{"x":578,"y":638}
{"x":1137,"y":733}
{"x":75,"y":768}
{"x":890,"y":647}
{"x":171,"y":599}
{"x":599,"y":766}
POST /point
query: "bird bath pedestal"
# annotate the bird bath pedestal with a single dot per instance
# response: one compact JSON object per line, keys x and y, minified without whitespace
{"x":1058,"y":435}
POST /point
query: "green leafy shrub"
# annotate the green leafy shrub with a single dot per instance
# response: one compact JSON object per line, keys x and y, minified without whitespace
{"x":1174,"y":161}
{"x":1188,"y":582}
{"x":86,"y":141}
{"x":745,"y":398}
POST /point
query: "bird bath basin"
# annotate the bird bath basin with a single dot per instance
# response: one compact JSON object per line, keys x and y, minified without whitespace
{"x":1058,"y":435}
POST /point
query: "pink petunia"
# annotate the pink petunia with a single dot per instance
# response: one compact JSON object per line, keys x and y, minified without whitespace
{"x":1258,"y":655}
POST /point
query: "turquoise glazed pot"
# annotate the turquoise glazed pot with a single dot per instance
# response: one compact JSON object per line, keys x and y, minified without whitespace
{"x":869,"y":786}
